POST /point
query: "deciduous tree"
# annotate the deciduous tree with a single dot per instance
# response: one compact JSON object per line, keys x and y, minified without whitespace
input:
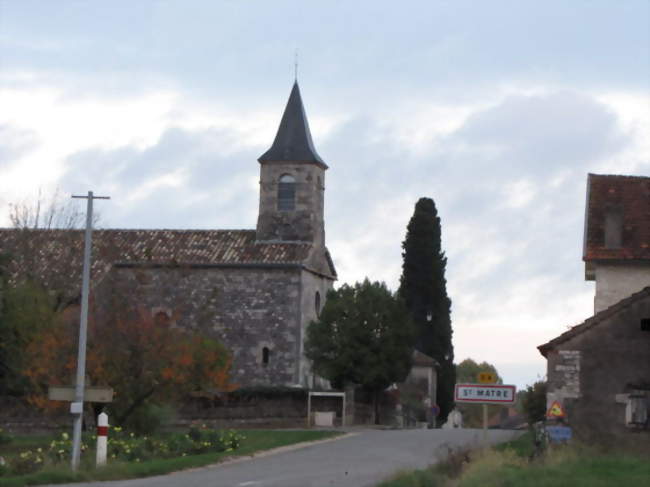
{"x":364,"y":336}
{"x":25,"y":310}
{"x":533,"y":402}
{"x":424,"y":289}
{"x":467,"y":373}
{"x":146,"y":360}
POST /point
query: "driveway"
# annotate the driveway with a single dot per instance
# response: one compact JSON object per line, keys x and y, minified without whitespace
{"x":362,"y":458}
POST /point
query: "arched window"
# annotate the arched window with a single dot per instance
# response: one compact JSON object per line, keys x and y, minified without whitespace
{"x":317,"y":303}
{"x":265,"y":356}
{"x":287,"y":193}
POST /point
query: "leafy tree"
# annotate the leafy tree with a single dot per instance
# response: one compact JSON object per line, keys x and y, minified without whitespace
{"x":424,"y":289}
{"x":146,"y":360}
{"x":533,"y":402}
{"x":364,"y":336}
{"x":467,"y":373}
{"x":25,"y":310}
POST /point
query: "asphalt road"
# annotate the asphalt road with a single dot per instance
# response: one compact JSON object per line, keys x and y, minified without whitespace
{"x":363,"y":458}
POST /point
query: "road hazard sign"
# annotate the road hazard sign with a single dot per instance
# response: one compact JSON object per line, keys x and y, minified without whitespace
{"x":556,"y":410}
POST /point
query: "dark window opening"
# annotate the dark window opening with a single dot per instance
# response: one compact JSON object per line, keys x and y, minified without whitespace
{"x":286,"y":193}
{"x":645,"y":324}
{"x":613,"y":228}
{"x":317,"y":303}
{"x":266,"y":353}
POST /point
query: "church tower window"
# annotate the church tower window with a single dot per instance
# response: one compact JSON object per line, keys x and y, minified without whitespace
{"x":317,"y":304}
{"x":287,"y":193}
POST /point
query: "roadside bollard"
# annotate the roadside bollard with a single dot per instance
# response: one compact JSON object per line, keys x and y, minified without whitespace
{"x":102,"y":438}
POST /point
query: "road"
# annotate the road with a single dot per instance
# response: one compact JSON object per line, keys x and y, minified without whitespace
{"x":363,"y":458}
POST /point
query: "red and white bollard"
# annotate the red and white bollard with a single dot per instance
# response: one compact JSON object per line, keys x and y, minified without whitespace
{"x":102,"y":438}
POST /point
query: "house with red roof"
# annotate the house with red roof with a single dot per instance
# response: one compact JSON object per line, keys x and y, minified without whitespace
{"x":599,"y":371}
{"x":616,"y":248}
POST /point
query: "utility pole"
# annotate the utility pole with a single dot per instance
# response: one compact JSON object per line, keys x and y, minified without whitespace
{"x":77,"y":407}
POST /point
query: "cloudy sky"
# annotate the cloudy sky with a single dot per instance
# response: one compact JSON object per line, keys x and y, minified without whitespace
{"x":497,"y":110}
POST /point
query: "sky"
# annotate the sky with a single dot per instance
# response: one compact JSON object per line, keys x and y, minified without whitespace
{"x":497,"y":110}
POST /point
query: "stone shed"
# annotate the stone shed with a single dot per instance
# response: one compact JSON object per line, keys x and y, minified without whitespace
{"x":599,"y":371}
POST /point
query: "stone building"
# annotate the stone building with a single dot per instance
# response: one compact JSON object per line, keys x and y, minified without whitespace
{"x":254,"y":290}
{"x":599,"y":371}
{"x":617,"y":236}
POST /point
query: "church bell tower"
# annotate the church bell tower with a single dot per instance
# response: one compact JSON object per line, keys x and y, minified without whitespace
{"x":292,"y":182}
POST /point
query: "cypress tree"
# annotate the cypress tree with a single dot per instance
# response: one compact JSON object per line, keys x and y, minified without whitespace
{"x":423,"y":288}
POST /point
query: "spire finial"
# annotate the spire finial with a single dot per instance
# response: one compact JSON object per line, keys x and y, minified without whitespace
{"x":295,"y":65}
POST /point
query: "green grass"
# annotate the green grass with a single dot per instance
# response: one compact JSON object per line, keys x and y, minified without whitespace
{"x":507,"y":465}
{"x":256,"y":441}
{"x":566,"y":466}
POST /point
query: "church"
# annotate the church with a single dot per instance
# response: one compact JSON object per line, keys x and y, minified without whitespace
{"x":255,"y":291}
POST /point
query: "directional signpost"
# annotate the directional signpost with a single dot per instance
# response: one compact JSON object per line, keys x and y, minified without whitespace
{"x":485,"y":394}
{"x":91,"y":394}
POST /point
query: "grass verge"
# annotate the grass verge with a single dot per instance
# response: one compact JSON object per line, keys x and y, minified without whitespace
{"x":508,"y":465}
{"x":256,"y":441}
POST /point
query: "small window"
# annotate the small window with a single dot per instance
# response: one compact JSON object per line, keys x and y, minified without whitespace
{"x":645,"y":324}
{"x":266,"y":353}
{"x":613,"y":228}
{"x":287,"y":193}
{"x":317,"y":303}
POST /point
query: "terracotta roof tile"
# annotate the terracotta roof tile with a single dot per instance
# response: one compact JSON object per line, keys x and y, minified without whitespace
{"x":54,"y":254}
{"x":631,"y":196}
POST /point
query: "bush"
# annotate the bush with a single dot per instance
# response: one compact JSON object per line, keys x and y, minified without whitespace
{"x":149,"y":418}
{"x":27,"y":462}
{"x":534,"y":402}
{"x":5,"y":438}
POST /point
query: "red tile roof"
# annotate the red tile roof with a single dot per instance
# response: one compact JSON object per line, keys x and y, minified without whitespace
{"x":630,"y":195}
{"x":55,"y":254}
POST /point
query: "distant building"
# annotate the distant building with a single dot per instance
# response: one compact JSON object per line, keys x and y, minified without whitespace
{"x":254,"y":290}
{"x":599,"y":370}
{"x":617,"y":236}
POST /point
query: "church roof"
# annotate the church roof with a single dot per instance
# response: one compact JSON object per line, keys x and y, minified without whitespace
{"x":630,"y":195}
{"x":293,"y":142}
{"x":595,"y":320}
{"x":50,"y":255}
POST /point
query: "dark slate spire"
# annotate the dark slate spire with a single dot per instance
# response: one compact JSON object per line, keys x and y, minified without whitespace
{"x":293,"y":141}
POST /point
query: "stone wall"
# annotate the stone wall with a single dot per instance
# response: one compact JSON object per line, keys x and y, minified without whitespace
{"x":589,"y":372}
{"x":247,"y":309}
{"x":305,"y":223}
{"x":311,"y":287}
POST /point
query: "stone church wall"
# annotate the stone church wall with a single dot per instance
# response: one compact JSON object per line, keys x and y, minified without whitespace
{"x":313,"y":295}
{"x":246,"y":309}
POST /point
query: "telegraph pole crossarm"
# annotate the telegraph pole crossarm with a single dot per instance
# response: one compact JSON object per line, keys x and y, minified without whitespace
{"x":76,"y":408}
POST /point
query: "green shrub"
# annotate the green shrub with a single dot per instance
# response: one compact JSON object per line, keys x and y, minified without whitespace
{"x":27,"y":462}
{"x":5,"y":438}
{"x":149,"y":418}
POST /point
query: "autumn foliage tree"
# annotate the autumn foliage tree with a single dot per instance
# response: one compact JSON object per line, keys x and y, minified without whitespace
{"x":144,"y":359}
